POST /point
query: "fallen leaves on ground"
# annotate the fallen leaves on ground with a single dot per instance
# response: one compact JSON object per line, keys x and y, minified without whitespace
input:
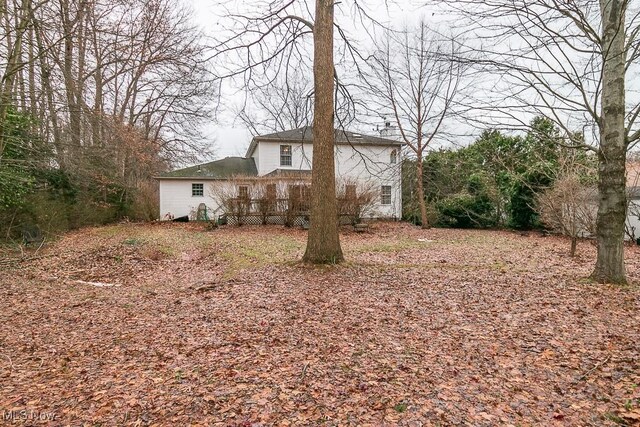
{"x":418,"y":328}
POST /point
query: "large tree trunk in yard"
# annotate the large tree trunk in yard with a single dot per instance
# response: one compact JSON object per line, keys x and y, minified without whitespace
{"x":323,"y":242}
{"x":612,"y":156}
{"x":420,"y":190}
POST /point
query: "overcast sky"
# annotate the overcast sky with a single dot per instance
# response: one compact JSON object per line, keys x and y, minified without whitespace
{"x":229,"y":136}
{"x":509,"y":100}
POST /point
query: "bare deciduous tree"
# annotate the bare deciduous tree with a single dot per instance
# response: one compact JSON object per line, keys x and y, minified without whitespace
{"x":415,"y":76}
{"x":270,"y":44}
{"x":113,"y":91}
{"x":286,"y":103}
{"x":569,"y":206}
{"x":569,"y":61}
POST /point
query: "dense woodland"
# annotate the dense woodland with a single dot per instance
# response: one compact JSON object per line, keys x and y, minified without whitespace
{"x":96,"y":98}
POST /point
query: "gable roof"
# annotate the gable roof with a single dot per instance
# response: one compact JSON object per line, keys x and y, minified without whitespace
{"x":218,"y":169}
{"x":305,"y":134}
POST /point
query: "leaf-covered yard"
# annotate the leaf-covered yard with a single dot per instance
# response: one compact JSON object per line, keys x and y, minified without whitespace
{"x":224,"y":327}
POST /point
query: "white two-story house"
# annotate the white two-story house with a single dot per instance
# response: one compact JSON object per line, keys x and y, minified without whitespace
{"x":279,"y":162}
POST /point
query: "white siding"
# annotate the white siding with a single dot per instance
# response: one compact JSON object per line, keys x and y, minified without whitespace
{"x":256,"y":157}
{"x":269,"y":156}
{"x":633,"y":219}
{"x":176,"y":198}
{"x":369,"y":165}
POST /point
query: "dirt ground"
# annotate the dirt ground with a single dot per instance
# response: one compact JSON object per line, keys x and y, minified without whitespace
{"x":174,"y":325}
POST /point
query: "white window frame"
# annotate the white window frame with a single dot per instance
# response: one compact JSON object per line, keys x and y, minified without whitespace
{"x":393,"y":157}
{"x":386,"y":193}
{"x":285,"y":156}
{"x":197,"y":187}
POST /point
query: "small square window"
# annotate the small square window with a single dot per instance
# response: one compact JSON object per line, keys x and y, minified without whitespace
{"x":285,"y":155}
{"x":197,"y":190}
{"x":385,"y":195}
{"x":243,"y":192}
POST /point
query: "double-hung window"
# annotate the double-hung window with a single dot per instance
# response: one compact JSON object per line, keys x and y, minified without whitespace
{"x":285,"y":155}
{"x":385,"y":195}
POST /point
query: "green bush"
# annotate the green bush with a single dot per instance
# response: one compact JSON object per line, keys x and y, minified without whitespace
{"x":464,"y":210}
{"x":495,"y":181}
{"x":523,"y":209}
{"x":411,"y":213}
{"x":471,"y":208}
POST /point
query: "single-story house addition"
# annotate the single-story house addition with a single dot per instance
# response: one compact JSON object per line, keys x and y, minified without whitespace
{"x":281,"y":162}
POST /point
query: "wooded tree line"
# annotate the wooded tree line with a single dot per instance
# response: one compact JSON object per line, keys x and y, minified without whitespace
{"x":501,"y":180}
{"x":96,"y":97}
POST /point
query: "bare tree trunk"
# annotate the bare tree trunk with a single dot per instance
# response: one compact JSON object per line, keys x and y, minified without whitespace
{"x":70,"y":81}
{"x":323,"y":242}
{"x":48,"y":98}
{"x":611,"y":177}
{"x":574,"y":245}
{"x":13,"y":66}
{"x":420,"y":193}
{"x":33,"y":102}
{"x":97,"y":116}
{"x":81,"y":32}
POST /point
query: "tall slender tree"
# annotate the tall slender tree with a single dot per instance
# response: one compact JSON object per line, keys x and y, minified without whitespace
{"x":415,"y":77}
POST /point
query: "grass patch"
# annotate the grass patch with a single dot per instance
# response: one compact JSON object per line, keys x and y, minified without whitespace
{"x":109,"y":230}
{"x":257,"y":251}
{"x":400,"y":407}
{"x":132,"y":241}
{"x":615,"y":418}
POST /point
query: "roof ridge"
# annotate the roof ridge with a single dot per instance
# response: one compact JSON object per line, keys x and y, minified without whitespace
{"x":221,"y":168}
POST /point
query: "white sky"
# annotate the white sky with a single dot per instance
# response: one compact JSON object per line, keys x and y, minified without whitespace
{"x":228,"y":135}
{"x":232,"y":138}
